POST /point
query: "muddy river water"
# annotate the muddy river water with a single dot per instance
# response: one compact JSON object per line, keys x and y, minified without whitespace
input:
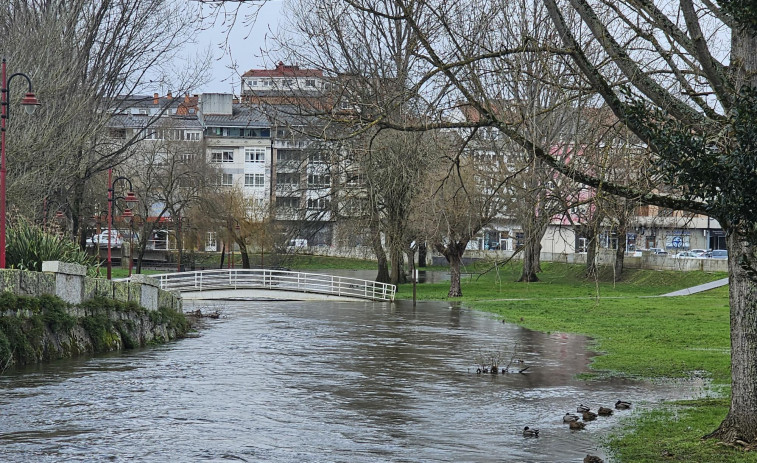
{"x":319,"y":382}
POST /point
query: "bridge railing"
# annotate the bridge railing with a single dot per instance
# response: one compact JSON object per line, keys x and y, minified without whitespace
{"x":279,"y":280}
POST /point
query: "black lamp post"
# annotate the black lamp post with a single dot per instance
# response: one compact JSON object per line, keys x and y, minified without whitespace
{"x":127,"y":215}
{"x":30,"y":103}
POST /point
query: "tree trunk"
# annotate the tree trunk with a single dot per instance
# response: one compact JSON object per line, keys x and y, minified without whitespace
{"x":531,"y":262}
{"x":397,"y":271}
{"x":591,"y":253}
{"x":454,"y":259}
{"x":410,"y":256}
{"x":741,"y":421}
{"x":243,"y":252}
{"x":223,"y":255}
{"x":378,"y":250}
{"x":453,"y":252}
{"x":620,"y":254}
{"x":421,"y":255}
{"x":77,"y":199}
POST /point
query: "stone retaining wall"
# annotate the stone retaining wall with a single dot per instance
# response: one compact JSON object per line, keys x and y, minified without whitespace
{"x":70,"y":283}
{"x":35,"y":328}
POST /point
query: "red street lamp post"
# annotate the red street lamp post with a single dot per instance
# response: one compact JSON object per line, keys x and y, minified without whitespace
{"x":30,"y":104}
{"x":127,"y":215}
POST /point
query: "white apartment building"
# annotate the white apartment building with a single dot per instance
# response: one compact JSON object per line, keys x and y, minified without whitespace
{"x":238,"y":142}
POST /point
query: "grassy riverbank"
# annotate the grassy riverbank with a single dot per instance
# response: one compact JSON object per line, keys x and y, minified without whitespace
{"x":638,"y":336}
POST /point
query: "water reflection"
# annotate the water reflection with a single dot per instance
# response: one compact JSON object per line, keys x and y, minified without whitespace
{"x":290,"y":381}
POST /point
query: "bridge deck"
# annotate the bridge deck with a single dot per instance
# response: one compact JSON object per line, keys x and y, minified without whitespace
{"x":223,"y":280}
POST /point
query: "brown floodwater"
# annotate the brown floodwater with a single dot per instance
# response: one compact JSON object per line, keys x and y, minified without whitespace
{"x":320,"y":382}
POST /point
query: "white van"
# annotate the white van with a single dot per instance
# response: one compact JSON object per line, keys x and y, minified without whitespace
{"x":298,"y":243}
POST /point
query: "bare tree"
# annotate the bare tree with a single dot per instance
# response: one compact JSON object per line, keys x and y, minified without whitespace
{"x":83,"y":56}
{"x":171,"y":177}
{"x":457,"y":202}
{"x":673,"y":76}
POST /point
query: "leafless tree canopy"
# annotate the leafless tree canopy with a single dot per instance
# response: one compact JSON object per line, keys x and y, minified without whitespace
{"x":82,"y":56}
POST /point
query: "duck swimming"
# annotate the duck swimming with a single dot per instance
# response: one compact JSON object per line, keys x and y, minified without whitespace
{"x":582,"y":408}
{"x":589,"y":416}
{"x":604,"y":411}
{"x":569,"y":417}
{"x":528,"y":432}
{"x":622,"y":405}
{"x":576,"y":425}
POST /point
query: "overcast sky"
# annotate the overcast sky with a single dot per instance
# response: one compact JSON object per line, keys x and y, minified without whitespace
{"x":245,"y":42}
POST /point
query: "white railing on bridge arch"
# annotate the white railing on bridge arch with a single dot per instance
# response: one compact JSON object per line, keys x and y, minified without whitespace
{"x":276,"y":280}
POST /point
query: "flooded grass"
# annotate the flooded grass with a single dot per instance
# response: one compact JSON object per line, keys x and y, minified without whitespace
{"x":638,"y":337}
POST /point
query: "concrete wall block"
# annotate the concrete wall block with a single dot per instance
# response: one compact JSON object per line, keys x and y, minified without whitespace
{"x":170,"y":300}
{"x":149,"y":297}
{"x":54,"y":266}
{"x":36,"y":283}
{"x":70,"y":288}
{"x":135,"y":292}
{"x":10,"y":280}
{"x":120,"y":291}
{"x":145,"y":280}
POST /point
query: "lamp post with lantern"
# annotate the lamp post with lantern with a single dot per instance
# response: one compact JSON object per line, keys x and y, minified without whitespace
{"x":30,"y":103}
{"x":130,"y":199}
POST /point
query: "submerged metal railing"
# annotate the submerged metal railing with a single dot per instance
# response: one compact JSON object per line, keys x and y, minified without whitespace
{"x":278,"y":280}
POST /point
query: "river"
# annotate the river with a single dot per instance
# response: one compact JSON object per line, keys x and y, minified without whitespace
{"x":318,"y":382}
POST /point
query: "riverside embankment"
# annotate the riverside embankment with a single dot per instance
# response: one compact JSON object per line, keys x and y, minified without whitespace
{"x":61,"y":313}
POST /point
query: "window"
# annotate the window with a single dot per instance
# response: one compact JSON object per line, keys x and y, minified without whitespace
{"x":318,"y":204}
{"x":254,"y":180}
{"x":319,"y":181}
{"x":287,"y":155}
{"x":117,"y":133}
{"x":211,"y":244}
{"x":291,"y":202}
{"x":193,"y":135}
{"x":254,"y":154}
{"x":317,"y":158}
{"x":355,"y":179}
{"x":226,"y":179}
{"x":287,"y":179}
{"x":222,"y":156}
{"x":309,"y":82}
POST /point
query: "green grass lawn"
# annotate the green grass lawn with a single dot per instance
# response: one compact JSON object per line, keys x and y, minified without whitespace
{"x":638,"y":336}
{"x":310,"y":262}
{"x":118,"y":272}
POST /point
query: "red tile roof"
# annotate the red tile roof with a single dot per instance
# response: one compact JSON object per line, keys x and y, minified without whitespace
{"x":283,"y":70}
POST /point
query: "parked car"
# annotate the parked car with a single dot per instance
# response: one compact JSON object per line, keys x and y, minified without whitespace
{"x":718,"y":254}
{"x":687,"y":255}
{"x":101,"y":240}
{"x":699,"y":252}
{"x":658,"y":251}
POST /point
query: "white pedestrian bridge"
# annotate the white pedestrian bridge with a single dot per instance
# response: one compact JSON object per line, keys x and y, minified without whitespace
{"x":272,"y":284}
